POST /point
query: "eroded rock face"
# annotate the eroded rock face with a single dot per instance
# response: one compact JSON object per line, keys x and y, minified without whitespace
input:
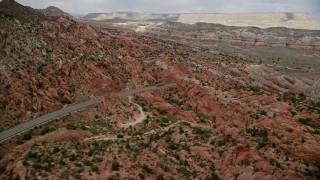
{"x":224,"y":117}
{"x":306,"y":41}
{"x":51,"y":62}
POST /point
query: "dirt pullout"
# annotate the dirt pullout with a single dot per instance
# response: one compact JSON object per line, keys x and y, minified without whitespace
{"x":139,"y":119}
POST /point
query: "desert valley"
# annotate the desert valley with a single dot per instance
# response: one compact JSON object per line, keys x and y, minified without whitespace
{"x":158,"y":96}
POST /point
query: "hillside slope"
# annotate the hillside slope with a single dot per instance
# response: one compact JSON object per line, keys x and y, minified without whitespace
{"x":54,"y":11}
{"x":226,"y":118}
{"x":50,"y":62}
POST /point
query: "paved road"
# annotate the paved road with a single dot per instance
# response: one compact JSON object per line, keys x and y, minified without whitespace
{"x":298,"y":74}
{"x":30,"y":124}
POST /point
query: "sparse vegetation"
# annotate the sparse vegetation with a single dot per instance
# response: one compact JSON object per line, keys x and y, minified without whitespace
{"x":307,"y":122}
{"x":227,"y":108}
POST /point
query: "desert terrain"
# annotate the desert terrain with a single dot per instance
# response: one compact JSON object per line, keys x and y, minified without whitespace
{"x":236,"y":110}
{"x":261,"y":20}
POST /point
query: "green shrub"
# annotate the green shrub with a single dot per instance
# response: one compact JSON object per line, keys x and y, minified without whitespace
{"x":304,"y":121}
{"x":19,"y":141}
{"x":302,"y":96}
{"x":25,"y":162}
{"x":293,"y":113}
{"x":162,"y":112}
{"x":62,"y":162}
{"x":45,"y":131}
{"x":40,"y":85}
{"x":203,"y":133}
{"x":95,"y":168}
{"x":141,"y":175}
{"x":115,"y":166}
{"x":274,"y":145}
{"x":165,"y":168}
{"x":160,"y":177}
{"x":147,"y":169}
{"x":27,"y":137}
{"x":55,"y":150}
{"x":315,"y":132}
{"x":257,"y":133}
{"x":65,"y":101}
{"x":181,"y":131}
{"x":163,"y":124}
{"x":36,"y":166}
{"x":245,"y":162}
{"x":290,"y":97}
{"x":165,"y":120}
{"x":120,"y":136}
{"x":213,"y":176}
{"x":78,"y":164}
{"x":173,"y":146}
{"x":308,"y":122}
{"x":71,"y":127}
{"x":73,"y":157}
{"x":65,"y":175}
{"x":184,"y":172}
{"x":90,"y":153}
{"x":290,"y":130}
{"x":87,"y":162}
{"x":263,"y":113}
{"x":32,"y":155}
{"x":261,"y":144}
{"x":213,"y":142}
{"x":222,"y":142}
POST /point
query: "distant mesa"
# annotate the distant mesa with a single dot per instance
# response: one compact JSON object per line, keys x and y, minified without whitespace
{"x":261,"y":20}
{"x":120,"y":17}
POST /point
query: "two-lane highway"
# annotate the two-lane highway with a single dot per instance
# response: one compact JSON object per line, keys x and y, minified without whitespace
{"x":30,"y":124}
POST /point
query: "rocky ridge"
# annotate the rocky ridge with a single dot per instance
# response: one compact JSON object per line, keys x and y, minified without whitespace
{"x":54,"y":11}
{"x":42,"y":73}
{"x":226,"y":118}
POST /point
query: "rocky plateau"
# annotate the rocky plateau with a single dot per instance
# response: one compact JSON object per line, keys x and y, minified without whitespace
{"x":261,"y":20}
